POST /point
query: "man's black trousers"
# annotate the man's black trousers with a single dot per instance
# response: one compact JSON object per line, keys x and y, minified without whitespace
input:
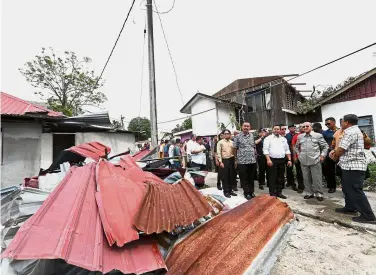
{"x":276,"y":176}
{"x":246,"y":175}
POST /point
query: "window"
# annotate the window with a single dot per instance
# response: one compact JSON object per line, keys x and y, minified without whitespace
{"x":259,"y":101}
{"x":365,"y":123}
{"x":267,"y":99}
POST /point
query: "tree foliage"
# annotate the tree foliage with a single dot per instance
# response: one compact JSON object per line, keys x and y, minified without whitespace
{"x":117,"y":124}
{"x":142,"y":125}
{"x":65,"y":82}
{"x":186,"y":125}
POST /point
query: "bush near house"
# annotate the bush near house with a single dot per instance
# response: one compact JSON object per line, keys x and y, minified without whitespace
{"x":370,"y":183}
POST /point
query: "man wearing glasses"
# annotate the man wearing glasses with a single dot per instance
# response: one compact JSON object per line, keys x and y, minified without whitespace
{"x":312,"y":149}
{"x":329,"y":167}
{"x":276,"y":150}
{"x":226,"y":159}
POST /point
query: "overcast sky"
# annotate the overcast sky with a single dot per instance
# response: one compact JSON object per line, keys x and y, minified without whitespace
{"x":212,"y":42}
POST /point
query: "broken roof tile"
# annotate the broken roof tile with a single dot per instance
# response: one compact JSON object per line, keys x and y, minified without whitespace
{"x":67,"y":226}
{"x":118,"y":200}
{"x":229,"y":243}
{"x":94,"y":150}
{"x":165,"y":206}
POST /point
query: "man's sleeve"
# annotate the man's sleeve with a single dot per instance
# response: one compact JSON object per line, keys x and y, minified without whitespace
{"x":346,"y":141}
{"x":236,"y":142}
{"x":323,"y":145}
{"x":265,"y":148}
{"x":219,"y":152}
{"x":287,"y":148}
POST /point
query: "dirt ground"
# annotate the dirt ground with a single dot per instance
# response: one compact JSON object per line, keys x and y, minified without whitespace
{"x":317,"y":247}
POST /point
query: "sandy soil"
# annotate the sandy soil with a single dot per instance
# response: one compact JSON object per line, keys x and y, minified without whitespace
{"x":317,"y":247}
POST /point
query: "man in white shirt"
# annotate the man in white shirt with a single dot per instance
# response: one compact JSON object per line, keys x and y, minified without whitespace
{"x":198,"y":156}
{"x":190,"y":145}
{"x":276,"y":149}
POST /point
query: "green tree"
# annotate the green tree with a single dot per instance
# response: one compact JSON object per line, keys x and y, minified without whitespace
{"x":65,"y":82}
{"x":142,"y":125}
{"x":187,"y":124}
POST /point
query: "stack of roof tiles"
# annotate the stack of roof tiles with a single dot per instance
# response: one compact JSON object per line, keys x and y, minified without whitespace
{"x":100,"y":201}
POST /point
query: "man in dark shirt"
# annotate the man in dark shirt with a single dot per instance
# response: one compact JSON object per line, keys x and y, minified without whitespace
{"x":329,"y":166}
{"x":289,"y":171}
{"x":261,"y":160}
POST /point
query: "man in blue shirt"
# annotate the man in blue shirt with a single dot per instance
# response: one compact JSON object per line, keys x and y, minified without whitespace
{"x":329,"y":166}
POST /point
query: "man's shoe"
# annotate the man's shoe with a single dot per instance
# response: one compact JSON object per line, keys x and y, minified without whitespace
{"x":232,"y":193}
{"x":344,"y":210}
{"x":306,"y":197}
{"x":227,"y":195}
{"x":219,"y":187}
{"x":281,"y":196}
{"x":294,"y":188}
{"x":320,"y":198}
{"x":235,"y":189}
{"x":300,"y":191}
{"x":253,"y":195}
{"x":248,"y":197}
{"x":261,"y":187}
{"x":331,"y":190}
{"x":362,"y":219}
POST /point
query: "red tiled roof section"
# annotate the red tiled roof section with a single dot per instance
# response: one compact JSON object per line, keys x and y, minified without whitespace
{"x":94,"y":150}
{"x":245,"y":83}
{"x":118,"y":200}
{"x":165,"y":206}
{"x":68,"y":226}
{"x":230,"y":242}
{"x":11,"y":105}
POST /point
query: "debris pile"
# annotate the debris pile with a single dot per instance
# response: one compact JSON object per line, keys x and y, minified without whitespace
{"x":111,"y":216}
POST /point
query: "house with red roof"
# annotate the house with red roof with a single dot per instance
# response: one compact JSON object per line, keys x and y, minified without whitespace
{"x":32,"y":136}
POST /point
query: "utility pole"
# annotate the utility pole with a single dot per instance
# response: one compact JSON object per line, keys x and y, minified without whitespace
{"x":153,"y":99}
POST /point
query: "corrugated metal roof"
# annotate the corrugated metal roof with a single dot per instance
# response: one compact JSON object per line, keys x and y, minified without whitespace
{"x":118,"y":200}
{"x":141,"y":154}
{"x":229,"y":243}
{"x":68,"y":226}
{"x":11,"y":105}
{"x":94,"y":150}
{"x":166,"y":206}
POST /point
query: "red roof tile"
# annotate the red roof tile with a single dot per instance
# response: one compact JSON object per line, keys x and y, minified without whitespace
{"x":118,"y":200}
{"x":11,"y":105}
{"x":140,"y":154}
{"x":68,"y":226}
{"x":94,"y":150}
{"x":166,"y":206}
{"x":228,"y":243}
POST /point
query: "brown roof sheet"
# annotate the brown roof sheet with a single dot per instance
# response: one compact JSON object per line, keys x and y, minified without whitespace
{"x":245,"y":83}
{"x":228,"y":243}
{"x":166,"y":206}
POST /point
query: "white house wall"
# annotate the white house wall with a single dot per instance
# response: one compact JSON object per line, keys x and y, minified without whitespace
{"x":359,"y":107}
{"x":224,"y":112}
{"x":21,"y":152}
{"x":204,"y":124}
{"x":46,"y":150}
{"x":118,"y":142}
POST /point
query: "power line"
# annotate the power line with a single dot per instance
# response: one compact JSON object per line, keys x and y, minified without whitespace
{"x":162,"y":12}
{"x":117,"y":39}
{"x":319,"y":67}
{"x":172,"y":120}
{"x":169,"y":52}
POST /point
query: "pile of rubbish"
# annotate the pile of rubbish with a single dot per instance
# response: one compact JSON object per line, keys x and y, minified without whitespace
{"x":105,"y":216}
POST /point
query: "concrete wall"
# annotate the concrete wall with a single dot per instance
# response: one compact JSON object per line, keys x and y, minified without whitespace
{"x":360,"y":107}
{"x":224,"y":112}
{"x":21,"y":152}
{"x":118,"y":142}
{"x":46,"y":150}
{"x":204,"y":124}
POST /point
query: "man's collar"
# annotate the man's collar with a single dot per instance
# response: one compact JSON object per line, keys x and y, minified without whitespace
{"x":308,"y":134}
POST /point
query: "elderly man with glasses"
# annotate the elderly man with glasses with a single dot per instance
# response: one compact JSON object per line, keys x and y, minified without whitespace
{"x":312,"y":150}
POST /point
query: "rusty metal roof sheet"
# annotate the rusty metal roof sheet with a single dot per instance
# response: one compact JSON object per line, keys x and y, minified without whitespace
{"x":68,"y":226}
{"x":228,"y":243}
{"x":166,"y":206}
{"x":118,"y":200}
{"x":141,"y":154}
{"x":94,"y":150}
{"x":11,"y":105}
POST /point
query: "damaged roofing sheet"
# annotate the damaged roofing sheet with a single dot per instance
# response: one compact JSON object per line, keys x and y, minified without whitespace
{"x":118,"y":200}
{"x":166,"y":206}
{"x":229,"y":243}
{"x":68,"y":226}
{"x":93,"y":150}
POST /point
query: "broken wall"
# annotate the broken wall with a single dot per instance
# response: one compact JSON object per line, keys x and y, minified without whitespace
{"x":21,"y":151}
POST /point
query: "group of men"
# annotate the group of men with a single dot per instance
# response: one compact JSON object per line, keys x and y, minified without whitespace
{"x":314,"y":153}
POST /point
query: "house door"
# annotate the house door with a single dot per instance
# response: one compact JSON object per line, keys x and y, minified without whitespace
{"x":61,"y":142}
